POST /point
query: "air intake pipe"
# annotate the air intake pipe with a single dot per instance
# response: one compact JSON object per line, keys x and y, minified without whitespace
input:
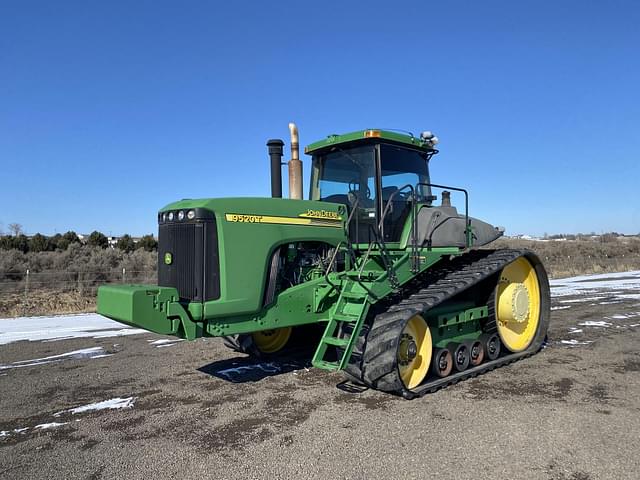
{"x":295,"y":165}
{"x":275,"y":154}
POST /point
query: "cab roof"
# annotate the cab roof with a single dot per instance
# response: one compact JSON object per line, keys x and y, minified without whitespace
{"x":365,"y":136}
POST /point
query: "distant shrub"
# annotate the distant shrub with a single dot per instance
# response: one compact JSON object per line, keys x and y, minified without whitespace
{"x":20,"y":242}
{"x":148,"y":243}
{"x":126,"y":243}
{"x":62,"y":242}
{"x":97,"y":239}
{"x":39,"y":243}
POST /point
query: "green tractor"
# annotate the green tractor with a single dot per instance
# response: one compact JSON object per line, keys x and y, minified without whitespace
{"x":405,"y":300}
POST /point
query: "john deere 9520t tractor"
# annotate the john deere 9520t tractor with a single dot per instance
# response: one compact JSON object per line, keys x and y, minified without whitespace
{"x":406,"y":300}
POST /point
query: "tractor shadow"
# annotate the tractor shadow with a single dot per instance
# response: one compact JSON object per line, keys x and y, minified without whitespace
{"x":248,"y":369}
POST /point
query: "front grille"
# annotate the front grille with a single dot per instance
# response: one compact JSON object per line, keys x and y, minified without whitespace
{"x":188,"y":257}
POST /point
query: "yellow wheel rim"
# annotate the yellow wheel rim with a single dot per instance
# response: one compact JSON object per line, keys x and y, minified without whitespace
{"x":414,"y":352}
{"x":518,"y":305}
{"x":272,"y":341}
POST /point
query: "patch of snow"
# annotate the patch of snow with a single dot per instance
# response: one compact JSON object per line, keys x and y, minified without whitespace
{"x":112,"y":404}
{"x":120,"y":333}
{"x":575,"y":330}
{"x":622,"y":316}
{"x":88,"y":325}
{"x":561,"y":307}
{"x":611,"y":303}
{"x":595,"y":323}
{"x":92,"y":352}
{"x":574,"y":342}
{"x":6,"y":367}
{"x":165,"y":342}
{"x":44,"y":426}
{"x":630,"y":296}
{"x":594,"y":284}
{"x":585,"y":299}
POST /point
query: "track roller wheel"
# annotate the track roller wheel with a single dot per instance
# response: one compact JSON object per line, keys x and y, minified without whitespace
{"x":460,"y":356}
{"x":491,"y":345}
{"x":476,"y":353}
{"x":442,"y":362}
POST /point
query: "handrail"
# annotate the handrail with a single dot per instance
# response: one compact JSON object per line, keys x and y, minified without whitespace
{"x":414,"y":223}
{"x":333,"y":259}
{"x":353,"y":209}
{"x":383,"y":255}
{"x":467,"y":222}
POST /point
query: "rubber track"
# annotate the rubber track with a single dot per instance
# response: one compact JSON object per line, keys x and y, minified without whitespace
{"x":376,"y":366}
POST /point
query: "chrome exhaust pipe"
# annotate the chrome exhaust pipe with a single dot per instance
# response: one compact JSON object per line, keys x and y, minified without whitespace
{"x":295,"y":165}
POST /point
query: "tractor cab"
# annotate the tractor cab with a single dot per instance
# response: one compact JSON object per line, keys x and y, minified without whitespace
{"x":375,"y":173}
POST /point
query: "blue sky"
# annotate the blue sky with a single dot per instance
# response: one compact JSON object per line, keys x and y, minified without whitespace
{"x":110,"y":110}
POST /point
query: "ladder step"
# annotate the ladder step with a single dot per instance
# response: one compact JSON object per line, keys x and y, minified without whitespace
{"x":364,"y":274}
{"x":354,"y":296}
{"x":346,"y":294}
{"x":345,"y":318}
{"x":326,"y":365}
{"x":337,"y":342}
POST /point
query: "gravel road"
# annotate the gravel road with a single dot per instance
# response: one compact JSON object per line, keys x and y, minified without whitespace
{"x":197,"y":410}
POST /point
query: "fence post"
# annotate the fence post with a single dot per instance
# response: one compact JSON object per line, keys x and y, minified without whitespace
{"x":124,"y":271}
{"x":26,"y":294}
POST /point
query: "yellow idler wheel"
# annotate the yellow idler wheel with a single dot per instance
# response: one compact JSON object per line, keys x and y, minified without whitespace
{"x":517,"y":305}
{"x":414,"y":352}
{"x":271,"y":341}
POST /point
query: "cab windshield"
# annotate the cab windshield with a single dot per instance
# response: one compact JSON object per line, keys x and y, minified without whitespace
{"x":402,"y":167}
{"x":344,"y":176}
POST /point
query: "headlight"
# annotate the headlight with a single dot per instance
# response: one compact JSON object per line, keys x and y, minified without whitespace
{"x":191,"y":214}
{"x":170,"y":216}
{"x":164,"y":217}
{"x":181,"y":215}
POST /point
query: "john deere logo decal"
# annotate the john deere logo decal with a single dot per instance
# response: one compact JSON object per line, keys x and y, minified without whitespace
{"x":168,"y":258}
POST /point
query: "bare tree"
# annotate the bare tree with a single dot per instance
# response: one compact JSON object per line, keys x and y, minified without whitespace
{"x":15,"y":229}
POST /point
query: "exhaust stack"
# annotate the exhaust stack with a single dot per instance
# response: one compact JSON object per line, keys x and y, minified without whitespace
{"x":275,"y":154}
{"x":295,"y":165}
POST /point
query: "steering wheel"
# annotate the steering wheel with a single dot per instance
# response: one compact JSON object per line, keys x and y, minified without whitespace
{"x":404,"y":195}
{"x":354,"y":189}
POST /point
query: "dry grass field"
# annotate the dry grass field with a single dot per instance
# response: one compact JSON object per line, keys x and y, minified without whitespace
{"x":579,"y":257}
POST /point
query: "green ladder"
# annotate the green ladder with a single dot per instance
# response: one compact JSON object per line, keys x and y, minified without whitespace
{"x":350,"y":311}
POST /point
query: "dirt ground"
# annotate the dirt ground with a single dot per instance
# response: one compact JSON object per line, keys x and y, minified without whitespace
{"x":201,"y":411}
